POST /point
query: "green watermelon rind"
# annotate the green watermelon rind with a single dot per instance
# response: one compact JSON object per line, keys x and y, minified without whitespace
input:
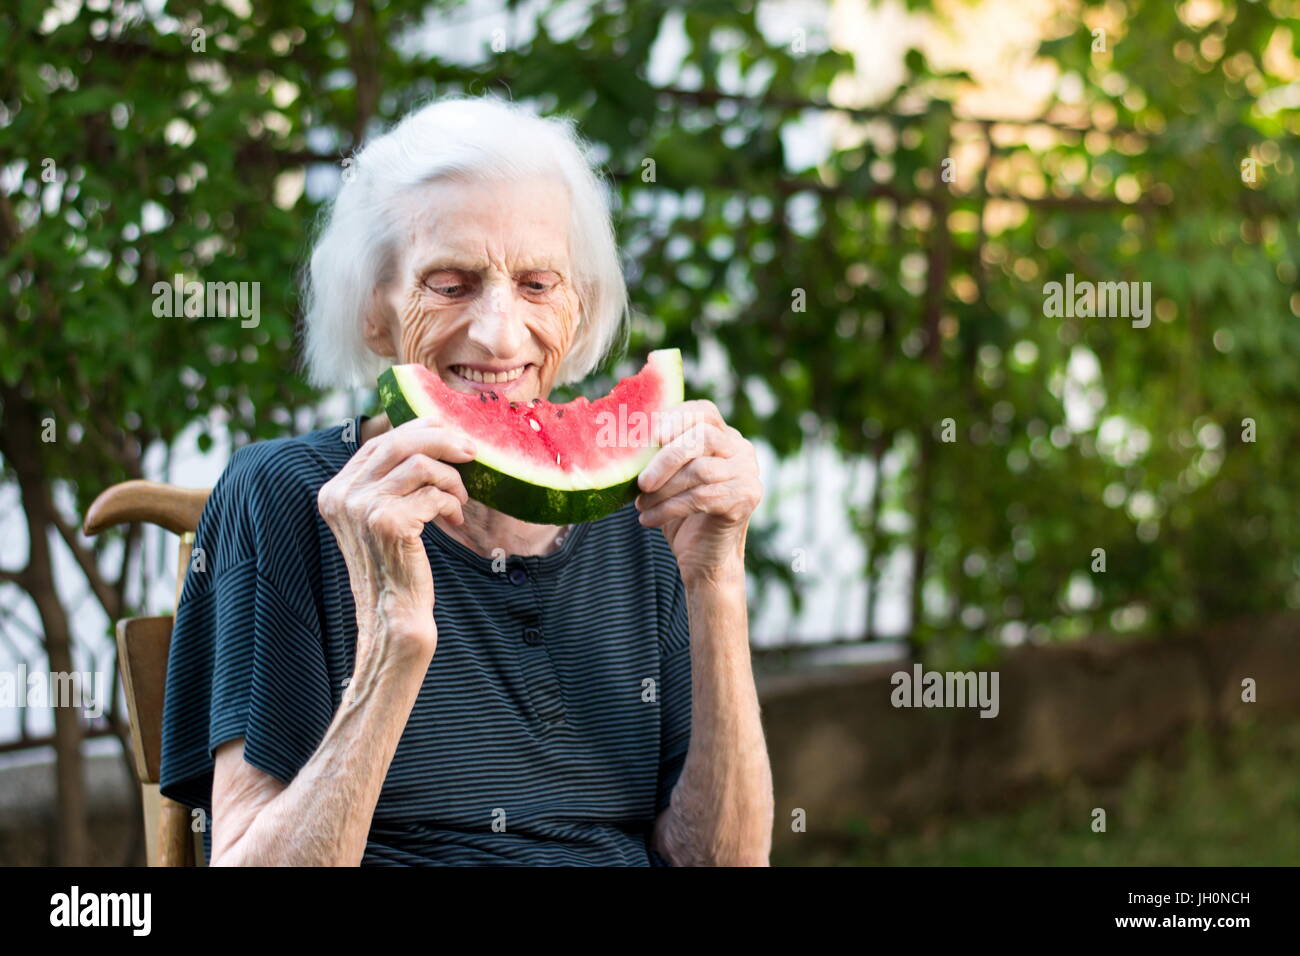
{"x":533,"y":500}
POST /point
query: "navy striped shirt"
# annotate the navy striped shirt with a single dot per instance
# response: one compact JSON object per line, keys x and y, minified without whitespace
{"x":554,"y":717}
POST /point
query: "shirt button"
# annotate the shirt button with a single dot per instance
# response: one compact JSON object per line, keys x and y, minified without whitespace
{"x":532,"y":635}
{"x":518,"y":575}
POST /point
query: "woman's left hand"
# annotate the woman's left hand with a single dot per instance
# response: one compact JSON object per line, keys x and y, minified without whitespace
{"x":701,"y":487}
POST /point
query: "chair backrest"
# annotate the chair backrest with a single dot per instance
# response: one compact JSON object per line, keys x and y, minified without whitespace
{"x":142,"y":645}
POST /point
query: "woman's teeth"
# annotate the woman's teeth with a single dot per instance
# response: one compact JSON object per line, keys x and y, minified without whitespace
{"x":489,"y":378}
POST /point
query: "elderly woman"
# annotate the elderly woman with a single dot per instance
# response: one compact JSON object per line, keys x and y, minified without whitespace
{"x":353,"y":678}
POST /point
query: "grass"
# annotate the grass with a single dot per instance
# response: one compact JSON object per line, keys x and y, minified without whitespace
{"x":1234,"y":801}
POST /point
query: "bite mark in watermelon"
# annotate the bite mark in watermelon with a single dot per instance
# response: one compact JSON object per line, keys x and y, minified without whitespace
{"x":541,"y":462}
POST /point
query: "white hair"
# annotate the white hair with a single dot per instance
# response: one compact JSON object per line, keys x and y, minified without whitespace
{"x":461,"y":138}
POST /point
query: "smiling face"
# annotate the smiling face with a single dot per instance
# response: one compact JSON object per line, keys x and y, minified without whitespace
{"x":482,"y":293}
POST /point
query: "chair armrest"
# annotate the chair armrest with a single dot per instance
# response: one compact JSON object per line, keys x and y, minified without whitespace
{"x":168,"y":506}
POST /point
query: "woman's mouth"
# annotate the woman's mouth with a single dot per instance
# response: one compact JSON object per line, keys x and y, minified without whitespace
{"x":489,"y":380}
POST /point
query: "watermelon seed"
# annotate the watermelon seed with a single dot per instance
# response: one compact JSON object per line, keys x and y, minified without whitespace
{"x":514,"y":404}
{"x":494,"y":395}
{"x":482,"y":397}
{"x":536,"y":426}
{"x":559,"y":413}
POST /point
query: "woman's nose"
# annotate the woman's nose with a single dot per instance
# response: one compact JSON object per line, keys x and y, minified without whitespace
{"x":497,"y":325}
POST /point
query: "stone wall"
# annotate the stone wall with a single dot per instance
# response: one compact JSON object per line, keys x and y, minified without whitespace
{"x":841,"y":752}
{"x":844,"y":754}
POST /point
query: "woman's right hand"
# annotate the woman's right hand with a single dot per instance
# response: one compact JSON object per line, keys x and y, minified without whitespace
{"x":377,"y":507}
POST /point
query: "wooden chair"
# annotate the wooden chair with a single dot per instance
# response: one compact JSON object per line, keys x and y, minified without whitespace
{"x":142,"y":644}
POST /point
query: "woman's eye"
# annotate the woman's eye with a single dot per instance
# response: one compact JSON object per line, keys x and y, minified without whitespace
{"x":536,"y":285}
{"x":451,"y":290}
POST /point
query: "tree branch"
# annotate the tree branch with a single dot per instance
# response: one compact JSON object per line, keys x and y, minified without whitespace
{"x":18,"y":577}
{"x":363,"y":50}
{"x":128,"y":548}
{"x":86,"y":561}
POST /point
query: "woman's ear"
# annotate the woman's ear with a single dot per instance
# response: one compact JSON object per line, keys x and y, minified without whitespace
{"x":379,"y":327}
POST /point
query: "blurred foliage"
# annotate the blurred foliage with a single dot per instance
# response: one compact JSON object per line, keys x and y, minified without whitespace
{"x":1200,"y":805}
{"x":1195,"y":523}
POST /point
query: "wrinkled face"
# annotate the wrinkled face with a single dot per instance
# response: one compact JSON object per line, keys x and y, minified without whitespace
{"x":482,"y":293}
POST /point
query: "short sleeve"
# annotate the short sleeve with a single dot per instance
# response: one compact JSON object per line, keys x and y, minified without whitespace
{"x":247,"y":656}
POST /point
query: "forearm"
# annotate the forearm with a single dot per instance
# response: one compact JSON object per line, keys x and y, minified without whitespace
{"x":721,"y":811}
{"x":322,"y":818}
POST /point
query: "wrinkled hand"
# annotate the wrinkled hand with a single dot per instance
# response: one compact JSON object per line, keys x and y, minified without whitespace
{"x":377,"y":507}
{"x":701,"y":487}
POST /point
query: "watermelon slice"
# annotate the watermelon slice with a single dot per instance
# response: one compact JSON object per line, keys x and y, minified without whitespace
{"x":540,"y":462}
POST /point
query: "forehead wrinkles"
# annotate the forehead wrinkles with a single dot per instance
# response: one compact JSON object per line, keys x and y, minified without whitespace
{"x":497,"y":226}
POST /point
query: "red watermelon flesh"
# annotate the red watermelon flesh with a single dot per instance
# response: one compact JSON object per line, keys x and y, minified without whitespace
{"x":542,"y":462}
